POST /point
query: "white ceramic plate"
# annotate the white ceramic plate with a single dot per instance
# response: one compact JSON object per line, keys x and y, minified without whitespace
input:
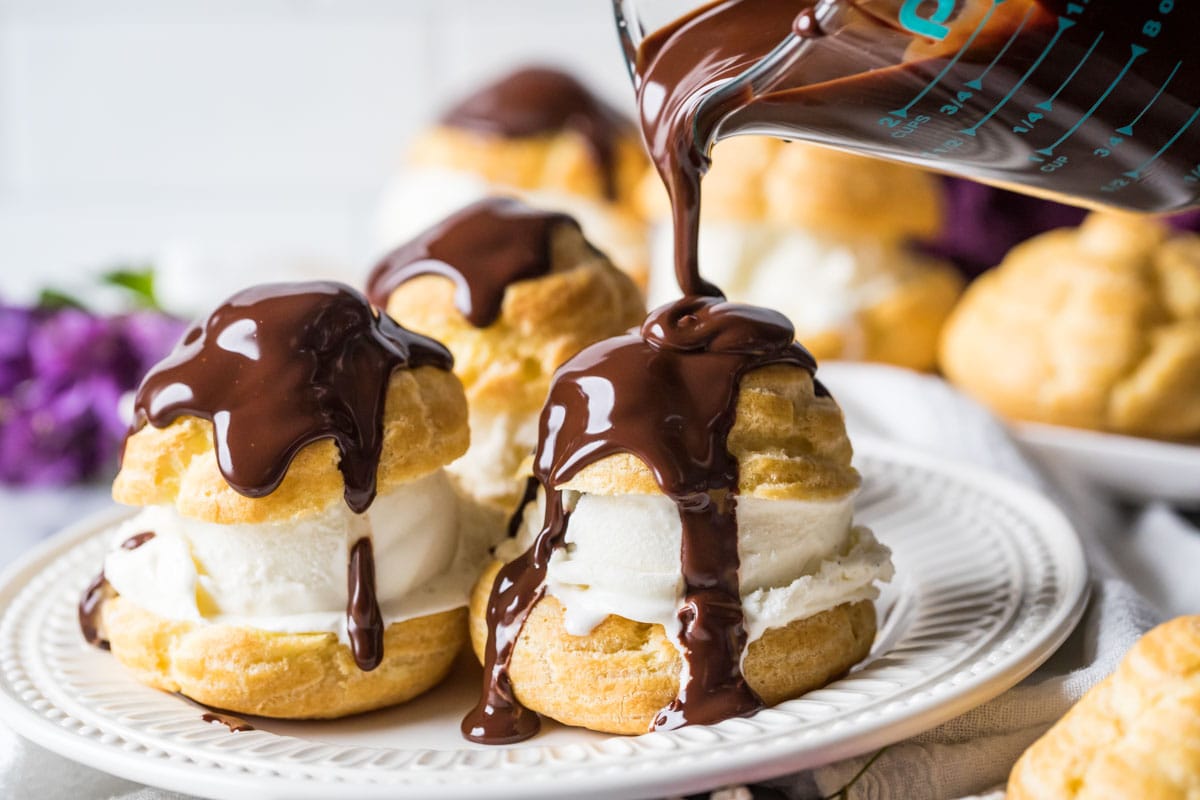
{"x":990,"y":580}
{"x":1144,"y":470}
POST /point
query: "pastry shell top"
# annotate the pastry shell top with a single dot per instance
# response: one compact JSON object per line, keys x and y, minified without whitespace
{"x":1096,"y":327}
{"x":559,"y":161}
{"x":756,"y":179}
{"x":789,"y":443}
{"x":425,"y":427}
{"x":507,"y":366}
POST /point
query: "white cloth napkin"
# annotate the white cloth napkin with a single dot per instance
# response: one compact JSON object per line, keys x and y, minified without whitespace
{"x":1140,"y":565}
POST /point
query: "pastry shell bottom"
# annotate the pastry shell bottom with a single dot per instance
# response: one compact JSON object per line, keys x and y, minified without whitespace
{"x":281,"y":675}
{"x":617,"y":678}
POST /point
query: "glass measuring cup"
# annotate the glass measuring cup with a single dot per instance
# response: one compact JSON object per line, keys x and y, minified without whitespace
{"x":1094,"y":102}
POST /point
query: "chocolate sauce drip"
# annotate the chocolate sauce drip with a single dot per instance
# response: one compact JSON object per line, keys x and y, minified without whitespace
{"x":536,"y":101}
{"x":527,"y":496}
{"x":280,"y":366}
{"x":91,"y":602}
{"x":364,"y":621}
{"x":136,"y":541}
{"x":234,"y":724}
{"x":668,"y":395}
{"x":499,"y":718}
{"x":483,"y":249}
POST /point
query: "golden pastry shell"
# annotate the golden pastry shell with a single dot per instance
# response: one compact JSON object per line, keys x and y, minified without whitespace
{"x":543,"y":321}
{"x":425,"y":427}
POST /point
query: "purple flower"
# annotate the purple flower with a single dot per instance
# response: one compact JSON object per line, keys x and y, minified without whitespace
{"x":62,"y":374}
{"x":983,"y":223}
{"x":16,"y":326}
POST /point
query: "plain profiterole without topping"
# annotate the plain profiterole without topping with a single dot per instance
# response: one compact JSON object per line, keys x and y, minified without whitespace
{"x":667,"y":394}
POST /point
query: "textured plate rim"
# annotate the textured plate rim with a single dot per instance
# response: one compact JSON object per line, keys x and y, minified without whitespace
{"x":779,"y":755}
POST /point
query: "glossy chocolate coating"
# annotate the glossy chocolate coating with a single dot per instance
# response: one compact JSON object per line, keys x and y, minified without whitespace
{"x":538,"y":101}
{"x":281,"y":366}
{"x":483,"y":249}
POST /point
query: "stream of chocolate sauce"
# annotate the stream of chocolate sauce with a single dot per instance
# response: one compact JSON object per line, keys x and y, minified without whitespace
{"x":91,"y":603}
{"x":280,"y":366}
{"x":538,"y":101}
{"x":483,"y":249}
{"x":845,"y":97}
{"x":668,"y":395}
{"x":364,"y":621}
{"x":677,"y":67}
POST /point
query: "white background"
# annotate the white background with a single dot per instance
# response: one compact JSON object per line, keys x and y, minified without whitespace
{"x":240,"y":131}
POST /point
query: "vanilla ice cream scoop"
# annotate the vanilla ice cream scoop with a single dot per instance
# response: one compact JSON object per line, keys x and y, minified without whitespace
{"x":290,"y":576}
{"x":622,"y":557}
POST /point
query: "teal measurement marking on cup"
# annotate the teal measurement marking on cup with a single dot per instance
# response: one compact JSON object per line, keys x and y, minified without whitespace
{"x":1063,"y":25}
{"x":1137,"y":173}
{"x":977,"y":83}
{"x":1048,"y":103}
{"x":1127,"y":130}
{"x":903,"y":112}
{"x":1136,"y":52}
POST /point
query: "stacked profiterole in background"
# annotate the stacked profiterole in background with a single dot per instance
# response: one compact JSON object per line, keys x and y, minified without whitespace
{"x":514,"y":292}
{"x":538,"y":134}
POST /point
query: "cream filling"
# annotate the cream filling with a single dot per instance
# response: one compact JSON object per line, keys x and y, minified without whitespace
{"x":820,"y":282}
{"x":291,"y":577}
{"x":622,"y":556}
{"x":500,"y":444}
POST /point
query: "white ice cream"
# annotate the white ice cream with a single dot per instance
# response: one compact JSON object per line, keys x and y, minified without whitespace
{"x":500,"y":444}
{"x":291,"y":576}
{"x":798,"y":558}
{"x":419,"y":198}
{"x":820,"y":282}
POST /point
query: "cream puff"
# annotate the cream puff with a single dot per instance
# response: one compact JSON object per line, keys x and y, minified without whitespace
{"x":537,"y":133}
{"x":513,"y":292}
{"x":1092,"y":327}
{"x":1136,"y":734}
{"x":824,"y":236}
{"x":298,"y":551}
{"x":692,"y":554}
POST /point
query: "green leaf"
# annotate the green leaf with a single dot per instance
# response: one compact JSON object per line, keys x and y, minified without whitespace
{"x":139,"y":282}
{"x":53,"y":299}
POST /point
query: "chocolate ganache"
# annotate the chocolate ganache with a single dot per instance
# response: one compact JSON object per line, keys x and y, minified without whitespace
{"x":91,"y":603}
{"x":668,"y":395}
{"x":538,"y":101}
{"x":281,"y":366}
{"x":483,"y":249}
